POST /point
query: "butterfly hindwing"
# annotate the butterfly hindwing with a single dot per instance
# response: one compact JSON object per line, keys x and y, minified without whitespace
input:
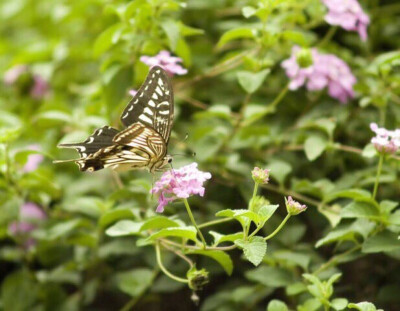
{"x":101,"y":138}
{"x":153,"y":104}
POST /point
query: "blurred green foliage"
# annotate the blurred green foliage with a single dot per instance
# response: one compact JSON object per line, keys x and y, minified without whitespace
{"x":90,"y":253}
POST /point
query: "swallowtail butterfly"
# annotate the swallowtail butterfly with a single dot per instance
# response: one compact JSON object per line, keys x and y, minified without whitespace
{"x":143,"y":143}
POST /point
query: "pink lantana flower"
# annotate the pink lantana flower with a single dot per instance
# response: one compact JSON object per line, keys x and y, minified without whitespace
{"x":30,"y":215}
{"x":293,"y":207}
{"x":33,"y":159}
{"x":180,"y":183}
{"x":260,"y":175}
{"x":347,"y":14}
{"x":171,"y":64}
{"x":132,"y":92}
{"x":39,"y":88}
{"x":327,"y":70}
{"x":385,"y":141}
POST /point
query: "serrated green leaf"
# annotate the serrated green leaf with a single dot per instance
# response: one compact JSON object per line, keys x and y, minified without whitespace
{"x":251,"y":81}
{"x":254,"y":250}
{"x":221,"y":257}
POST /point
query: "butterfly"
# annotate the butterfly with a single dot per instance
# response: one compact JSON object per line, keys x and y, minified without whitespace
{"x":143,"y":143}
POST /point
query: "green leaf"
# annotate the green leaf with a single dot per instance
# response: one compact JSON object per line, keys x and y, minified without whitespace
{"x":112,"y":216}
{"x":369,"y":151}
{"x":59,"y":230}
{"x":363,"y":306}
{"x":295,"y":288}
{"x":339,"y":303}
{"x":251,"y":81}
{"x":233,"y":34}
{"x":18,"y":292}
{"x":134,"y":282}
{"x":314,"y":146}
{"x":182,"y":232}
{"x":359,"y":210}
{"x":158,"y":222}
{"x":124,"y":227}
{"x":254,"y":250}
{"x":54,"y":116}
{"x":265,"y":212}
{"x":385,"y":241}
{"x":311,"y":304}
{"x":355,"y":194}
{"x":221,"y":257}
{"x":248,"y":11}
{"x":270,"y":276}
{"x":107,"y":38}
{"x":277,"y":305}
{"x":172,"y":30}
{"x":279,"y":170}
{"x":220,"y":238}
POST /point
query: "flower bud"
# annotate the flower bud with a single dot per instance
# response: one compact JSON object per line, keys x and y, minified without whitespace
{"x":293,"y":207}
{"x":197,"y":278}
{"x":304,"y":58}
{"x":260,"y":176}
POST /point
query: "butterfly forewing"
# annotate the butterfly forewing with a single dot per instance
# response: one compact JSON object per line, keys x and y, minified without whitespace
{"x":153,"y":104}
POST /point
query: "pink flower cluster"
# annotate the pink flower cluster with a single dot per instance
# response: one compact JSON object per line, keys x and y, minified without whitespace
{"x":327,"y":70}
{"x":260,"y":175}
{"x":29,"y":216}
{"x":166,"y":61}
{"x":385,"y":141}
{"x":180,"y":183}
{"x":33,"y":159}
{"x":347,"y":14}
{"x":39,"y":87}
{"x":293,"y":207}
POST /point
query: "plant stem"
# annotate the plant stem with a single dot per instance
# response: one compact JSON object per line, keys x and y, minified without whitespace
{"x":255,"y":190}
{"x":163,"y":269}
{"x":328,"y":36}
{"x":334,"y":259}
{"x":378,"y":175}
{"x":194,"y":222}
{"x":279,"y":228}
{"x":214,"y":222}
{"x":279,"y":98}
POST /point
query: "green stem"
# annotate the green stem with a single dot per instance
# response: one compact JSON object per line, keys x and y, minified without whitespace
{"x":163,"y":269}
{"x":194,"y":222}
{"x":328,"y":36}
{"x":215,"y":222}
{"x":278,"y":229}
{"x":378,"y":175}
{"x":279,"y":98}
{"x":255,"y":190}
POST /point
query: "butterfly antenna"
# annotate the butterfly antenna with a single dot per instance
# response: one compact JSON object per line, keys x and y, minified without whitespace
{"x":64,"y":161}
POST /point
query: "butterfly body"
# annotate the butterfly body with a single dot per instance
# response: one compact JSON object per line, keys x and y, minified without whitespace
{"x":143,"y":143}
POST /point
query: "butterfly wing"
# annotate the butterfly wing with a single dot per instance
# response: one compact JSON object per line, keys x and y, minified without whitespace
{"x":101,"y":138}
{"x":153,"y":104}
